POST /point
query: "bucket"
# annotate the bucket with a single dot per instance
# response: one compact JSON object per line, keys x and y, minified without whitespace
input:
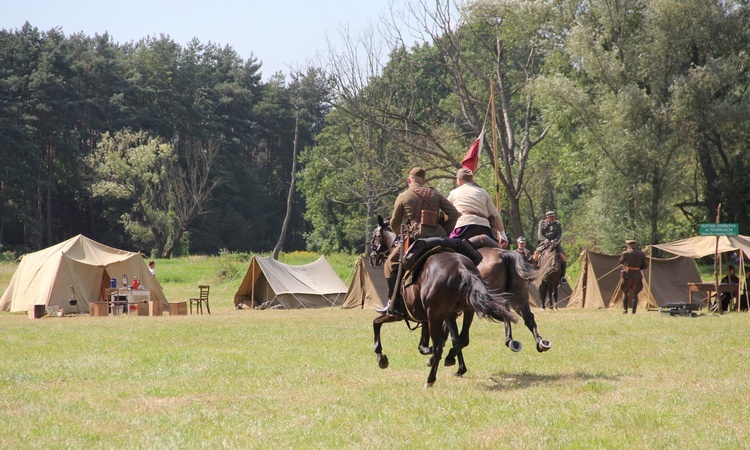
{"x":113,"y":283}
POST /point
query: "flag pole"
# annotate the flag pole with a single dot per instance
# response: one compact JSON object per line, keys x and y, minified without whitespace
{"x":494,"y":144}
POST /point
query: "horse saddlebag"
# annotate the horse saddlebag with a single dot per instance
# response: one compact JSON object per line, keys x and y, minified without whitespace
{"x":422,"y":246}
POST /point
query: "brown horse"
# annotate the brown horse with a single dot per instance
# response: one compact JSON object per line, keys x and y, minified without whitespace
{"x":550,"y":269}
{"x":508,"y":272}
{"x":448,"y":284}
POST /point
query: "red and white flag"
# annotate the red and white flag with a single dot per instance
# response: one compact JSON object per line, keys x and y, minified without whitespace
{"x":471,"y":160}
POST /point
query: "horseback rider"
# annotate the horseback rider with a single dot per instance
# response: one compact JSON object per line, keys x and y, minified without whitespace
{"x":478,"y":213}
{"x":525,"y":252}
{"x":633,"y":261}
{"x":551,"y":230}
{"x":418,"y":208}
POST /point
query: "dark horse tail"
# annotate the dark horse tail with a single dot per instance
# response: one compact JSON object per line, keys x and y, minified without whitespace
{"x":493,"y":307}
{"x":515,"y":262}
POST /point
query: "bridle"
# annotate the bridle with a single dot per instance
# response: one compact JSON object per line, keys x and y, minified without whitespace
{"x":379,"y":248}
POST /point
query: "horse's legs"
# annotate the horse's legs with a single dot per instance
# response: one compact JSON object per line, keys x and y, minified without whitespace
{"x":424,"y":342}
{"x":457,"y":348}
{"x":554,"y":297}
{"x":438,"y":341}
{"x":463,"y":340}
{"x":542,"y":345}
{"x":509,"y":341}
{"x":376,"y":325}
{"x":543,"y":294}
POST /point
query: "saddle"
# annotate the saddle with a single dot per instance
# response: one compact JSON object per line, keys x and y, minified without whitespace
{"x":421,"y":249}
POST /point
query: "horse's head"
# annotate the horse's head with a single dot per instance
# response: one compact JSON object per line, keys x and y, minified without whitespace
{"x":383,"y":240}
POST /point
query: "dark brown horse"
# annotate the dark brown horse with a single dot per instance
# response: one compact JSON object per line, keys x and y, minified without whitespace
{"x":550,"y":270}
{"x":447,"y":285}
{"x":508,"y":272}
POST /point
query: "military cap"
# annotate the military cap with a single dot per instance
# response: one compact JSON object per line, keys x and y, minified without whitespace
{"x":521,"y":239}
{"x":550,"y":213}
{"x":630,"y":242}
{"x":418,"y":172}
{"x":465,"y":174}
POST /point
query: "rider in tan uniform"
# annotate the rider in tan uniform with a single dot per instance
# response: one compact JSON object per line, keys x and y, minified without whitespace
{"x":476,"y":208}
{"x":417,"y":208}
{"x":525,"y":252}
{"x":550,"y":229}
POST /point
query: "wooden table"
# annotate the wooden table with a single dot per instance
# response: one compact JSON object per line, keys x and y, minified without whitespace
{"x":126,"y":297}
{"x":712,"y":287}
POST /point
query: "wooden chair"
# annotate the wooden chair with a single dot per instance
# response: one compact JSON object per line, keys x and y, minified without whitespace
{"x":200,"y":300}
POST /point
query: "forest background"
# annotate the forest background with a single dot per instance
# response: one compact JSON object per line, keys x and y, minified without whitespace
{"x":629,"y":118}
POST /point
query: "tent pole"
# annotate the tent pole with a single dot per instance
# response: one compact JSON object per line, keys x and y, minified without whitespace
{"x":650,"y":265}
{"x":252,"y":284}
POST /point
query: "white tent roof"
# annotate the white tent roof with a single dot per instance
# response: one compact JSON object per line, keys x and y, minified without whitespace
{"x":304,"y":286}
{"x":77,"y":267}
{"x":700,"y":246}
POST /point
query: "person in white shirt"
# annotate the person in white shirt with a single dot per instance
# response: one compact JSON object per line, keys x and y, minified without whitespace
{"x":151,"y":265}
{"x":476,"y":208}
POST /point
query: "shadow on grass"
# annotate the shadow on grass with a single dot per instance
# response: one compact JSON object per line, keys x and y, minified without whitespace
{"x":523,"y":380}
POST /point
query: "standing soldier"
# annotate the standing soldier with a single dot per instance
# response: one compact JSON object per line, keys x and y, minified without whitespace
{"x":525,"y":252}
{"x":551,"y":230}
{"x":418,"y":208}
{"x":633,"y":261}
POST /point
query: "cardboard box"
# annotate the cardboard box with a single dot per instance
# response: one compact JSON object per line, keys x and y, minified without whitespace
{"x":178,"y":309}
{"x":37,"y":311}
{"x":98,"y":309}
{"x":154,"y":308}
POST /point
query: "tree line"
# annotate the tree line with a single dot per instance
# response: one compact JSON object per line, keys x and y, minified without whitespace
{"x":147,"y":145}
{"x":630,"y":118}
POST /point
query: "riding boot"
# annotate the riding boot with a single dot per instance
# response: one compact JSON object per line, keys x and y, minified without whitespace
{"x":390,"y":307}
{"x":563,"y":266}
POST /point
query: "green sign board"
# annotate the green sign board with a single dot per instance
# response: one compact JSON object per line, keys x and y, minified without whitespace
{"x":719,"y":229}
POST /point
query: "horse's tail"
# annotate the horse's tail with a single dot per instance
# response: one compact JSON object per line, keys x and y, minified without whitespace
{"x":517,"y":263}
{"x":493,"y":307}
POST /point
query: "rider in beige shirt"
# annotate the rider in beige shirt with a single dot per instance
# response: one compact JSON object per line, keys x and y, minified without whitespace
{"x":476,"y":208}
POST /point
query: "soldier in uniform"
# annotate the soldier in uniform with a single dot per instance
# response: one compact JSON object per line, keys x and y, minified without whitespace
{"x":417,"y":207}
{"x":525,"y":252}
{"x":633,"y":261}
{"x":551,"y":230}
{"x":476,"y":208}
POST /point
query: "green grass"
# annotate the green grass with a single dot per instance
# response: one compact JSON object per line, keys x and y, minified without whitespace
{"x":309,"y":379}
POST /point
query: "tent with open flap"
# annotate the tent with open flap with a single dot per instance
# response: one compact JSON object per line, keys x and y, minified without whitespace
{"x":78,"y":268}
{"x":313,"y":285}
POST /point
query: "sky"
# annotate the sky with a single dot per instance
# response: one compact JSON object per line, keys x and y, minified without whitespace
{"x":284,"y":35}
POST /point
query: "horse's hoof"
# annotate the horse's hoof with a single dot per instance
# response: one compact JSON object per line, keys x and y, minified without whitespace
{"x":458,"y":374}
{"x":429,"y":361}
{"x":425,"y":350}
{"x":450,"y":362}
{"x":428,"y":385}
{"x":382,"y":361}
{"x":514,"y":345}
{"x":543,"y":345}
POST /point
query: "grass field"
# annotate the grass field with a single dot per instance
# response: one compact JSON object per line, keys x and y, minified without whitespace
{"x":309,"y":379}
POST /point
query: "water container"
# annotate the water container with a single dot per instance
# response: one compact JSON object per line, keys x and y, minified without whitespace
{"x":136,"y":284}
{"x":113,"y":283}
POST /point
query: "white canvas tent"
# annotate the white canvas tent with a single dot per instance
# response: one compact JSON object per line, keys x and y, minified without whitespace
{"x":313,"y":285}
{"x":78,"y":268}
{"x":368,"y":288}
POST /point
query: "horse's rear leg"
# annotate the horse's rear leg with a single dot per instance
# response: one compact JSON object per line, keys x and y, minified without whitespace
{"x":438,"y":341}
{"x":456,"y":350}
{"x":509,"y":341}
{"x":542,"y":345}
